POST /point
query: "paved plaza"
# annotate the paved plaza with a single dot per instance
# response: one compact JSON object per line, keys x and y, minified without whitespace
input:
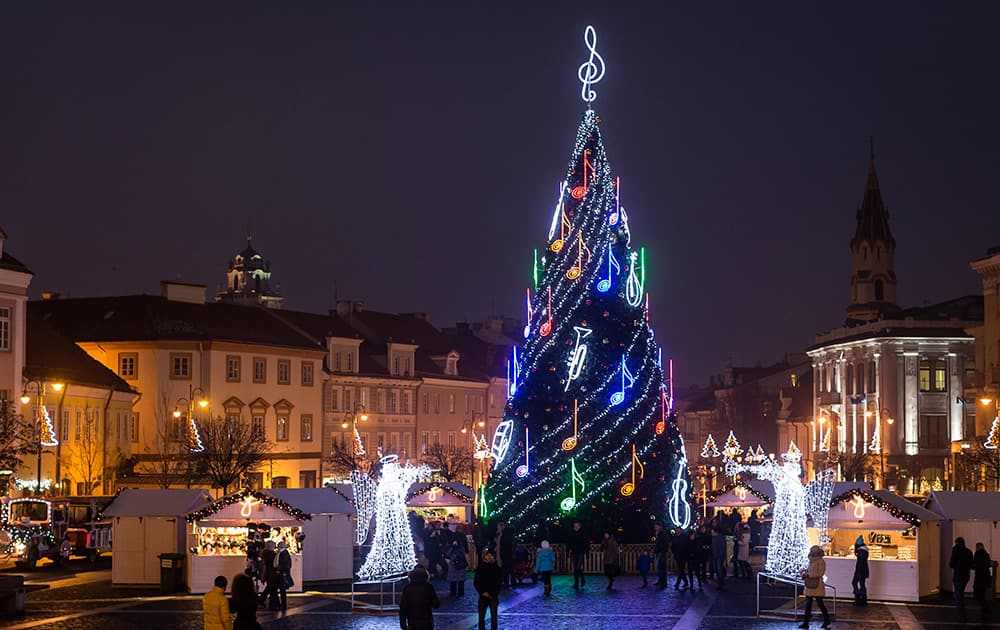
{"x":82,"y":597}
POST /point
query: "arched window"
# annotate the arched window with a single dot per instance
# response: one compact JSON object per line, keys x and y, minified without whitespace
{"x":879,"y":290}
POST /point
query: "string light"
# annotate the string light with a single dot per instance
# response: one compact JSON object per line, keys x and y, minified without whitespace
{"x":240,"y":498}
{"x":364,"y":503}
{"x":993,"y":439}
{"x":709,"y":450}
{"x":878,"y":502}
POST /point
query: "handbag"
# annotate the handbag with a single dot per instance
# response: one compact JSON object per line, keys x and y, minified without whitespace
{"x":811,"y":582}
{"x":289,"y":582}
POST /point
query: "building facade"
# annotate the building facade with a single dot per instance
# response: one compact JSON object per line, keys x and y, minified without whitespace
{"x":14,"y":281}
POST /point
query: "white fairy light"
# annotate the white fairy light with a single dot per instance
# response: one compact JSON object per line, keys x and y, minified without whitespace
{"x":590,"y":72}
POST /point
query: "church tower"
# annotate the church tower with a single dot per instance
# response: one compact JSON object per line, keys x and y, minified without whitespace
{"x":248,"y":280}
{"x":873,"y":249}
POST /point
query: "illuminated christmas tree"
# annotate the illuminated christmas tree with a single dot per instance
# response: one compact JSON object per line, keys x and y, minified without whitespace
{"x":993,"y":439}
{"x":732,"y":447}
{"x":710,"y":449}
{"x":589,"y":385}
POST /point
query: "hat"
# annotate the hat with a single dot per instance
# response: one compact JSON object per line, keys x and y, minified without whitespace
{"x":859,"y":541}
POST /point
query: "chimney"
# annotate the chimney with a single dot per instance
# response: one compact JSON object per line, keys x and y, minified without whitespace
{"x":182,"y":291}
{"x":346,"y":307}
{"x":50,"y":295}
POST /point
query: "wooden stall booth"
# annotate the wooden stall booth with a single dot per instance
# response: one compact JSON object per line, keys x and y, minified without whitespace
{"x":445,"y":501}
{"x":744,"y":495}
{"x":903,"y":542}
{"x":220,"y":534}
{"x":328,"y":542}
{"x":145,"y":524}
{"x":972,"y":515}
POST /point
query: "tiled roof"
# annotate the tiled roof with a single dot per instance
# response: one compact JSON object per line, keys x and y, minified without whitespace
{"x":54,"y":357}
{"x":9,"y":262}
{"x":147,"y":318}
{"x":967,"y":308}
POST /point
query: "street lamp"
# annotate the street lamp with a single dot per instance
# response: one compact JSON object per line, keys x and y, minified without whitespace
{"x":351,"y":421}
{"x":194,"y":438}
{"x":43,"y":423}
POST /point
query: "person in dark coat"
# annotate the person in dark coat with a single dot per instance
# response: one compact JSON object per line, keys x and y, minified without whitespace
{"x":479,"y":537}
{"x":860,"y":572}
{"x":505,"y":551}
{"x":579,"y":547}
{"x":661,"y":547}
{"x":719,"y":557}
{"x":609,"y":549}
{"x":961,"y":567}
{"x":282,"y":571}
{"x":702,"y":553}
{"x":755,"y":528}
{"x":457,"y":564}
{"x":244,"y":603}
{"x":267,"y":559}
{"x":417,"y":602}
{"x":487,"y":581}
{"x":681,"y":548}
{"x":981,"y":584}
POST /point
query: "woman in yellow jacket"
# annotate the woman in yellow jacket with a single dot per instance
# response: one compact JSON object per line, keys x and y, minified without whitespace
{"x":216,"y":606}
{"x":814,"y":586}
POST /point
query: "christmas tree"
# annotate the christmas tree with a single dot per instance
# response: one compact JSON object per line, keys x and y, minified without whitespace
{"x":993,"y":439}
{"x":588,"y":433}
{"x":709,"y":449}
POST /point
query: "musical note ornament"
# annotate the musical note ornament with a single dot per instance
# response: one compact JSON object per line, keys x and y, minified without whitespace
{"x":680,"y":510}
{"x":570,"y":443}
{"x":589,"y":72}
{"x":628,"y":380}
{"x":604,"y":284}
{"x":629,"y":487}
{"x":579,"y":355}
{"x":574,"y":272}
{"x":575,"y":478}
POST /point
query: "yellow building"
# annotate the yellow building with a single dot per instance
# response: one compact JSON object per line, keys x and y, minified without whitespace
{"x":986,"y":386}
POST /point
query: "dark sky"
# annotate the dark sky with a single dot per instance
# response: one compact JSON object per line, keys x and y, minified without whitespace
{"x":410,"y":152}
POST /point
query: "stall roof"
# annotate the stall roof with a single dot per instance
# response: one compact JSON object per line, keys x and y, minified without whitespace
{"x":902,"y":504}
{"x":965,"y":506}
{"x":761,"y":489}
{"x":315,"y":500}
{"x":454,"y":488}
{"x":153,"y":502}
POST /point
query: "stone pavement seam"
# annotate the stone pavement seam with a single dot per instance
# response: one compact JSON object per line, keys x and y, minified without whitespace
{"x":505,"y":605}
{"x":697,"y":610}
{"x":62,"y":618}
{"x":904,"y":618}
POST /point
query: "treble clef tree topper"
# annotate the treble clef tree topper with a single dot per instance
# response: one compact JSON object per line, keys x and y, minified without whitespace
{"x":590,"y":72}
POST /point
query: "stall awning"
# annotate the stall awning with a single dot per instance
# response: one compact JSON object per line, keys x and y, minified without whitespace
{"x":749,"y":493}
{"x":858,"y":508}
{"x":965,"y":506}
{"x":142,"y":502}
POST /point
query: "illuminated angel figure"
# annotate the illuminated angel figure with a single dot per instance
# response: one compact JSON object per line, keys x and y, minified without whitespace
{"x":788,"y":546}
{"x":392,"y":548}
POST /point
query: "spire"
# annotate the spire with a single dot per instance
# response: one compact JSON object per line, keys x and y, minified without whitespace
{"x":873,"y":217}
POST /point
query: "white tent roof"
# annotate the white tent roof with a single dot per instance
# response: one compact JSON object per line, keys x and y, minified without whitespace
{"x":965,"y":506}
{"x":314,"y":500}
{"x":142,"y":502}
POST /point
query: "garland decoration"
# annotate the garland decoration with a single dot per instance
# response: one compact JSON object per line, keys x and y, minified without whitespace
{"x":232,"y":499}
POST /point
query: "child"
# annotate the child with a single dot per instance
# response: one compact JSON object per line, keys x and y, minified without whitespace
{"x":643,"y":563}
{"x":544,"y":564}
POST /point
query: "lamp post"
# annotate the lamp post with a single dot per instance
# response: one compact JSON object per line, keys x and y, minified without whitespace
{"x":194,"y":439}
{"x":43,"y":423}
{"x":351,"y":421}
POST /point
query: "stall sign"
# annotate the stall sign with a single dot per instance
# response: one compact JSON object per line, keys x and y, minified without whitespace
{"x":876,"y":538}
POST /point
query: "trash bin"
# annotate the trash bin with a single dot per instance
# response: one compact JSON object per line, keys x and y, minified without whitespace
{"x":171,"y":572}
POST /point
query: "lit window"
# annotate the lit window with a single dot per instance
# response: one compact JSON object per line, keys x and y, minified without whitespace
{"x":127,"y":365}
{"x":180,"y":365}
{"x":282,"y":428}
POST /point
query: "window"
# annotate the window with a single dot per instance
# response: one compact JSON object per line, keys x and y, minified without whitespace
{"x":452,"y":440}
{"x":279,"y":482}
{"x":78,"y":425}
{"x":366,"y":441}
{"x":333,"y":399}
{"x":306,"y":431}
{"x":336,"y":361}
{"x":347,"y":398}
{"x":451,"y":403}
{"x":394,"y":442}
{"x":4,"y":329}
{"x":395,"y":366}
{"x":127,"y":365}
{"x":381,"y":442}
{"x":425,"y":437}
{"x":925,"y":375}
{"x":493,"y":397}
{"x":257,"y":427}
{"x":133,"y":431}
{"x":437,"y":437}
{"x":307,"y":373}
{"x":350,"y":361}
{"x":233,"y":365}
{"x":407,"y":444}
{"x":407,"y":367}
{"x":363,"y":396}
{"x":180,"y":365}
{"x":437,"y":403}
{"x":451,"y":366}
{"x":259,"y":370}
{"x":933,"y":375}
{"x":426,"y":404}
{"x":940,"y":376}
{"x":379,"y":401}
{"x":393,"y":401}
{"x":405,"y":402}
{"x":933,"y":432}
{"x":282,"y":429}
{"x":64,"y":429}
{"x":284,"y":371}
{"x":871,"y":377}
{"x":859,"y":378}
{"x":307,"y":479}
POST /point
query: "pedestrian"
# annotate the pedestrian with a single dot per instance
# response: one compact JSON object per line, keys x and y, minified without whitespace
{"x":719,"y":557}
{"x":487,"y":582}
{"x":244,"y":603}
{"x":981,"y":584}
{"x":545,"y":562}
{"x":479,"y":538}
{"x":609,"y":546}
{"x":755,"y":529}
{"x":505,"y":552}
{"x":643,"y":564}
{"x":216,"y":607}
{"x":417,"y":602}
{"x":815,"y":588}
{"x":743,"y":552}
{"x":860,"y":572}
{"x":681,"y":548}
{"x":282,"y":576}
{"x":579,"y":547}
{"x":457,"y":564}
{"x":702,"y":553}
{"x":443,"y":539}
{"x":661,"y":547}
{"x":961,"y":567}
{"x":268,"y":558}
{"x":432,"y":550}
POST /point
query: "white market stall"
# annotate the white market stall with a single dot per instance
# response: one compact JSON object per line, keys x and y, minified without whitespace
{"x":219,"y":533}
{"x":902,"y":539}
{"x":145,"y":524}
{"x":328,"y":546}
{"x":749,"y":494}
{"x":973,"y":516}
{"x":450,"y":501}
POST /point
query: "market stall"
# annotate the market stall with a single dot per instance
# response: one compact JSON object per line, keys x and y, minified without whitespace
{"x":328,"y":546}
{"x":145,"y":524}
{"x":744,"y":495}
{"x":220,"y":534}
{"x":445,"y":501}
{"x":903,"y":542}
{"x":971,"y":515}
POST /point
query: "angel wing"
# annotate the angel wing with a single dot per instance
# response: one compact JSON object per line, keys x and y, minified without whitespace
{"x":819,"y":491}
{"x":365,"y":489}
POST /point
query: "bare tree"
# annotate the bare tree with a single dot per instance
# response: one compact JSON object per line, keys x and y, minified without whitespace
{"x":343,"y":460}
{"x":857,"y":466}
{"x":168,"y":458}
{"x":982,"y":466}
{"x":450,"y":463}
{"x":85,"y":457}
{"x":16,"y":438}
{"x":232,"y":449}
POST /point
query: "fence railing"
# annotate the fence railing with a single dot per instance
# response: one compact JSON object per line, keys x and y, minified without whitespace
{"x":593,"y":562}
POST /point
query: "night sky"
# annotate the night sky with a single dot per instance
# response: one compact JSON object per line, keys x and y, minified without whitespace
{"x":409,"y":153}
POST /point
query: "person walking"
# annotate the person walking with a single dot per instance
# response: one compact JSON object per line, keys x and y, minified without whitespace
{"x":719,"y":557}
{"x":283,"y":575}
{"x":702,"y":553}
{"x":815,"y":589}
{"x":643,"y":563}
{"x":268,"y":559}
{"x":681,"y":548}
{"x":743,"y":552}
{"x":244,"y":603}
{"x":215,"y":606}
{"x":418,"y":601}
{"x":982,"y":565}
{"x":457,"y":564}
{"x":545,"y":562}
{"x":579,"y":547}
{"x":961,"y":570}
{"x":661,"y":547}
{"x":479,"y":538}
{"x":505,"y":552}
{"x":860,"y":572}
{"x":755,"y":529}
{"x":487,"y":583}
{"x":609,"y":546}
